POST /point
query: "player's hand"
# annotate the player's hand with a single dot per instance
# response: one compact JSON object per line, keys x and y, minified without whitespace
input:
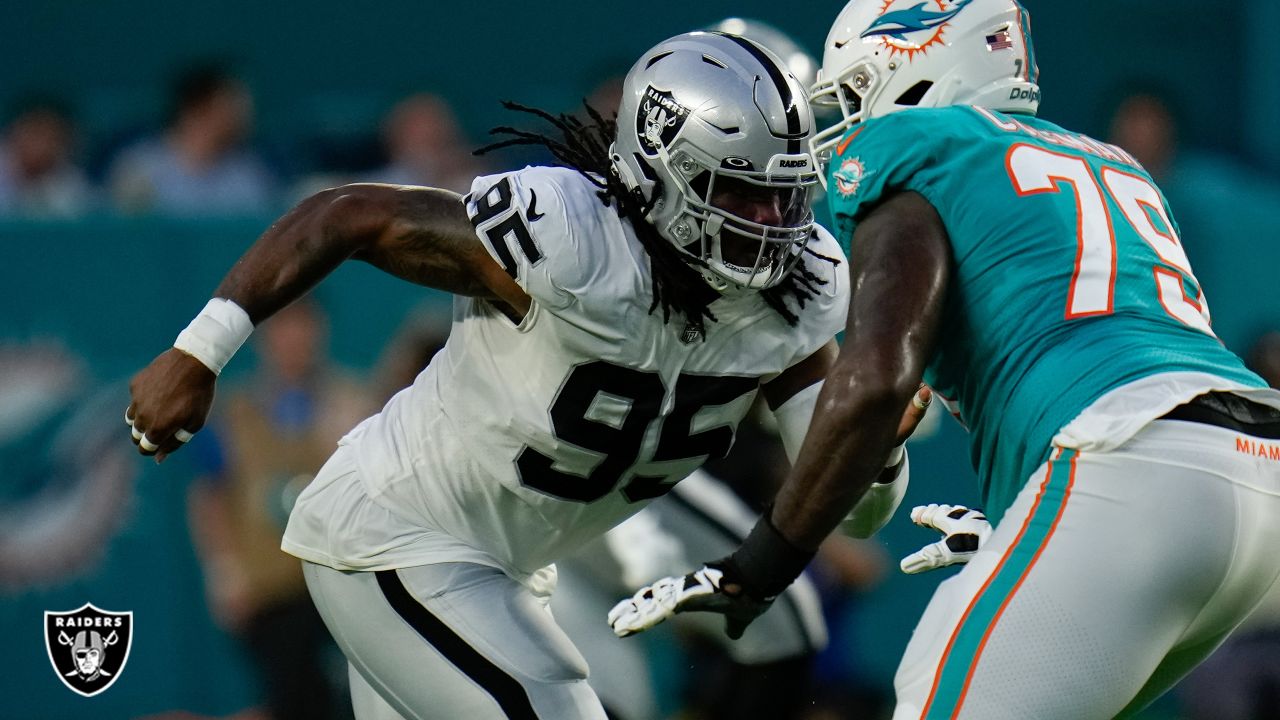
{"x":915,"y":412}
{"x":710,"y":589}
{"x":170,"y":399}
{"x":965,"y":530}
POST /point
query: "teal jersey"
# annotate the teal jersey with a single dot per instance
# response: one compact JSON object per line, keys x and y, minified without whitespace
{"x":1068,"y":278}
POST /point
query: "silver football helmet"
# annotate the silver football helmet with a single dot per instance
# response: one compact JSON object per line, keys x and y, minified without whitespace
{"x":881,"y":57}
{"x":706,"y":118}
{"x":795,"y":58}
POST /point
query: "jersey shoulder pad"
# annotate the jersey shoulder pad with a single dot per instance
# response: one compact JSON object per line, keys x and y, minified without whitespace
{"x":883,"y":155}
{"x":545,"y":226}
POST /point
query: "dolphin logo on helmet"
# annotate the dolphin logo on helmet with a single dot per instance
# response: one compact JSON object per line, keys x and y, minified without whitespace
{"x":898,"y":23}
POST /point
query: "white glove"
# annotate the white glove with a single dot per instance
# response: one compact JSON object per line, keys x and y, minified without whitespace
{"x":699,"y":590}
{"x":966,"y":530}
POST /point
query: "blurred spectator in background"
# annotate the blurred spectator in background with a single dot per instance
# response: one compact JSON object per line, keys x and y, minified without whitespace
{"x":1215,"y":197}
{"x":422,"y":334}
{"x":1264,"y":358}
{"x":425,"y":146}
{"x":606,"y":95}
{"x":1224,"y":207}
{"x":1143,"y":124}
{"x":274,"y":432}
{"x":1241,"y":680}
{"x":199,"y":165}
{"x":38,"y":177}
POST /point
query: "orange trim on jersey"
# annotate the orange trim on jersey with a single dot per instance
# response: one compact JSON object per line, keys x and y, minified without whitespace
{"x":946,"y":652}
{"x":977,"y":656}
{"x":844,"y":144}
{"x":1159,"y":210}
{"x":1079,"y":200}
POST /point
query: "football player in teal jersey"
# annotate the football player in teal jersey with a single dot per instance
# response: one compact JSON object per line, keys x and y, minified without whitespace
{"x":1035,"y":278}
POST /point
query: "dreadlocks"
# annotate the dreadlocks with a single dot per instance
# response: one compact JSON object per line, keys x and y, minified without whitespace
{"x":677,"y":285}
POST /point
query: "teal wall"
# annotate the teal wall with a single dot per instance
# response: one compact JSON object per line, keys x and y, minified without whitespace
{"x":108,"y":294}
{"x":332,"y":67}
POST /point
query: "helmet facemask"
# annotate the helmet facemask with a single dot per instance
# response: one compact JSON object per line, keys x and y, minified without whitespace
{"x":750,"y":228}
{"x":849,"y":92}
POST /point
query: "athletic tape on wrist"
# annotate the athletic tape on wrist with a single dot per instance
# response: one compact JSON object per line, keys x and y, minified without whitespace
{"x":215,"y":334}
{"x":766,"y":561}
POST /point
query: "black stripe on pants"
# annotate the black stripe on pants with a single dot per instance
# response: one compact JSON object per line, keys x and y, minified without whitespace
{"x":506,"y":690}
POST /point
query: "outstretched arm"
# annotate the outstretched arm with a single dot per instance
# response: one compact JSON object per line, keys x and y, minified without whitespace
{"x":422,"y":235}
{"x":794,"y":409}
{"x":900,"y":267}
{"x":419,"y":234}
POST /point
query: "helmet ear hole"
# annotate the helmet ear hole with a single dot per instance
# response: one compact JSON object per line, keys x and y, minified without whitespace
{"x":915,"y":93}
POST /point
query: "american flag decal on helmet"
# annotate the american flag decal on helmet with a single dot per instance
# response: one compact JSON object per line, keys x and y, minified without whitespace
{"x":1000,"y":40}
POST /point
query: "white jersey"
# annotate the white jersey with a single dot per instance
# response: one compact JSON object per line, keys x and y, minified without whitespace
{"x":522,"y":440}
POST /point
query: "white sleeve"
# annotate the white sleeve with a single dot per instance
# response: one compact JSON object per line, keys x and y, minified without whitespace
{"x":522,"y":219}
{"x":878,"y":505}
{"x":881,"y":500}
{"x":793,"y":418}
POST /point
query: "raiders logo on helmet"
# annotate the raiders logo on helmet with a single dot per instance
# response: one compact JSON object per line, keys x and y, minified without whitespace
{"x":88,"y":647}
{"x":658,"y":120}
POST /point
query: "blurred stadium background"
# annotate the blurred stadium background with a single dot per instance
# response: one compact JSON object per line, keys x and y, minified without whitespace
{"x":99,"y":273}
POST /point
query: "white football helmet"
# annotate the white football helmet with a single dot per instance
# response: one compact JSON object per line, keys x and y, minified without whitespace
{"x":703,"y":111}
{"x":882,"y":56}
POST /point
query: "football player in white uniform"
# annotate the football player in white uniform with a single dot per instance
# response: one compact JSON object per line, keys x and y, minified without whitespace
{"x":614,"y":321}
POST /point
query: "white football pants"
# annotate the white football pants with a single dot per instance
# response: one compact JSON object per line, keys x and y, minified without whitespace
{"x":451,"y":641}
{"x":1108,"y":579}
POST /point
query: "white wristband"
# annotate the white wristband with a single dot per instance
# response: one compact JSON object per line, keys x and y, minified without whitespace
{"x":895,"y":456}
{"x":215,"y":334}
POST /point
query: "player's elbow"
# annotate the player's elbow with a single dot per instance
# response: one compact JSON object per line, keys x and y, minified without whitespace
{"x":353,"y":215}
{"x":868,"y":391}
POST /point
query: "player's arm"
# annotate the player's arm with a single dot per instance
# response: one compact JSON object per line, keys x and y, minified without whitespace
{"x":899,"y":271}
{"x":899,"y":268}
{"x":792,"y":397}
{"x":419,"y":234}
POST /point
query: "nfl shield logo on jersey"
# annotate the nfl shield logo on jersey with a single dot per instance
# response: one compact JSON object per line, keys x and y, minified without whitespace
{"x":658,"y":120}
{"x":693,"y":332}
{"x":88,"y":647}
